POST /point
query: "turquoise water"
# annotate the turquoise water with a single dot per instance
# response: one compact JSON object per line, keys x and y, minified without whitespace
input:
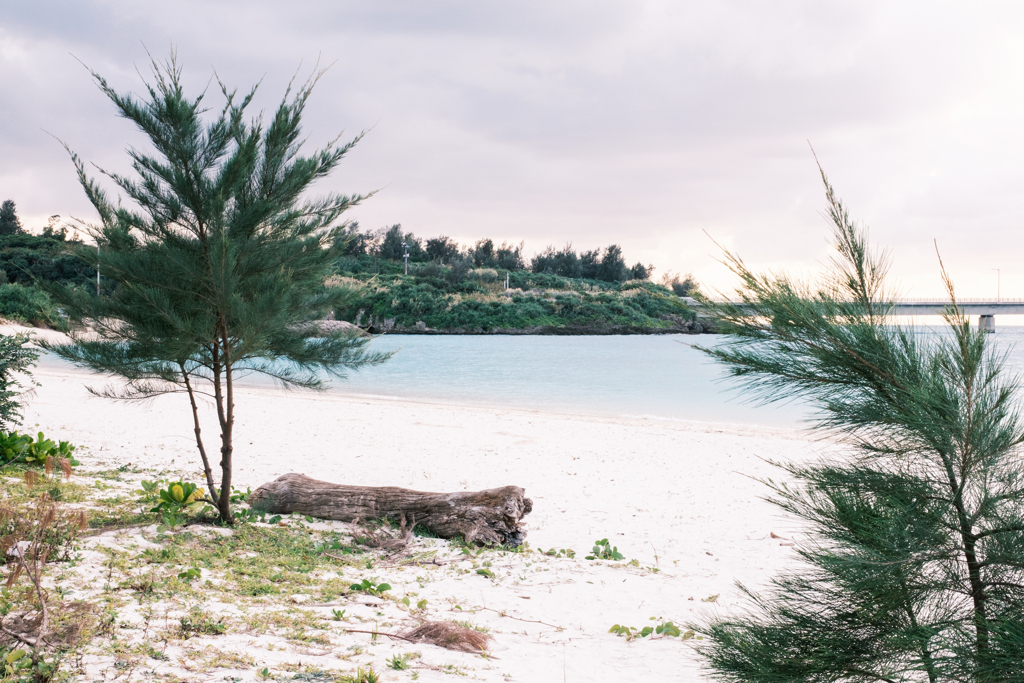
{"x":659,"y":377}
{"x":636,"y":376}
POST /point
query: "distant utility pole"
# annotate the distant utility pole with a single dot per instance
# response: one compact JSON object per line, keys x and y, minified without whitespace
{"x":998,"y":293}
{"x":406,"y":245}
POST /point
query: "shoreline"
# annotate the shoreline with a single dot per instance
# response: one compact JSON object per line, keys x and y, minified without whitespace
{"x":680,"y":498}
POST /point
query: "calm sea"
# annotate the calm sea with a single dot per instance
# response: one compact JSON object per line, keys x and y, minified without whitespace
{"x":658,"y":377}
{"x":661,"y":377}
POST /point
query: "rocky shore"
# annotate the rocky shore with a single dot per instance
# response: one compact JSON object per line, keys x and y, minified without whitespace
{"x":390,"y":326}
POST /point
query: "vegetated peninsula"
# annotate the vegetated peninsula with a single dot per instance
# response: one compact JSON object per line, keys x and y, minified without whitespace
{"x":482,"y":288}
{"x":489,"y":289}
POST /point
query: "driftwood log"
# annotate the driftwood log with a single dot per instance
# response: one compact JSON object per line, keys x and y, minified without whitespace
{"x":490,"y":516}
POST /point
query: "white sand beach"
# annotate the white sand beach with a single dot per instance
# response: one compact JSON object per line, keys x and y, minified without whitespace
{"x":680,"y":498}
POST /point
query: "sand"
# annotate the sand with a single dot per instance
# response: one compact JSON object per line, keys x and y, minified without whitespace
{"x":680,"y":498}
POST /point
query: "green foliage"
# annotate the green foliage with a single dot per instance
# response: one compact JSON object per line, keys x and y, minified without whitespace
{"x":558,"y":552}
{"x":174,"y":501}
{"x":21,"y":665}
{"x":26,"y":304}
{"x":603,"y":550}
{"x":915,"y":568}
{"x":220,"y":267}
{"x":189,"y":575}
{"x":10,"y":224}
{"x":14,"y":664}
{"x":180,"y":495}
{"x":664,"y":628}
{"x":338,"y":614}
{"x":27,"y":259}
{"x":400,"y":662}
{"x":198,"y":622}
{"x":685,"y":285}
{"x":362,"y":676}
{"x":371,"y":587}
{"x":16,"y":358}
{"x":474,"y":304}
{"x":18,"y":448}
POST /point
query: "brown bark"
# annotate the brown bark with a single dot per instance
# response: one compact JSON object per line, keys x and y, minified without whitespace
{"x":490,"y":516}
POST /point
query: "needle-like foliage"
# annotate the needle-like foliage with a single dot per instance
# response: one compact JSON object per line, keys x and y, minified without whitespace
{"x":217,"y":265}
{"x":915,"y":567}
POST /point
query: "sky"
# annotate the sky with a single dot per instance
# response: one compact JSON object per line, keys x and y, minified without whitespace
{"x":665,"y":127}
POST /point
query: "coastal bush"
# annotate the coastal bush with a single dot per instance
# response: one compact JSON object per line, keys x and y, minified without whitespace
{"x":914,"y":569}
{"x":26,"y":304}
{"x":442,"y":304}
{"x":222,"y":264}
{"x":50,"y":257}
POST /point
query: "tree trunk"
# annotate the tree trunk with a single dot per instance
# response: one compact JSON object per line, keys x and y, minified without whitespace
{"x":490,"y":516}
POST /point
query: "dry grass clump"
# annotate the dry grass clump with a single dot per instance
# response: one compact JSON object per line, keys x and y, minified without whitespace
{"x":378,"y":538}
{"x":449,"y":636}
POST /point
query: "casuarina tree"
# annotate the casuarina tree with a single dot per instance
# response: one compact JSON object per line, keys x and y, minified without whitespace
{"x":914,"y":565}
{"x":16,"y":358}
{"x":215,"y":267}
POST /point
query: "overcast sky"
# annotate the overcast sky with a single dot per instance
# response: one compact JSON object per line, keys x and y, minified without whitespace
{"x":640,"y":123}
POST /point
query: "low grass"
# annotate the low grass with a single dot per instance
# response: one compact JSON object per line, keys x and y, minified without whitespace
{"x":173,"y":605}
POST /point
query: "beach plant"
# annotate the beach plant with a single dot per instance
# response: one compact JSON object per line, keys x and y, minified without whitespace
{"x":189,"y":575}
{"x":603,"y":550}
{"x":200,"y":622}
{"x":663,"y":628}
{"x":31,"y":535}
{"x":177,"y":499}
{"x":914,"y":565}
{"x":214,"y":258}
{"x":400,"y":662}
{"x":180,"y":495}
{"x":371,"y":587}
{"x":16,"y":358}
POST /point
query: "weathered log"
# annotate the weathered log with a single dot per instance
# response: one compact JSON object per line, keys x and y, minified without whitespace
{"x":490,"y":516}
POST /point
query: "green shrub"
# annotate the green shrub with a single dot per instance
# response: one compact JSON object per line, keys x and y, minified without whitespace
{"x":28,"y":304}
{"x":22,"y":448}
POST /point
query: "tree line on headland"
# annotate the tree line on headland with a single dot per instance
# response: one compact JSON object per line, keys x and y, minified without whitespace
{"x":392,"y":243}
{"x":483,"y":287}
{"x":489,"y":288}
{"x":26,"y":259}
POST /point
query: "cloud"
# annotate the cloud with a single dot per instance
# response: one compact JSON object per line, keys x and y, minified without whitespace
{"x":643,"y":123}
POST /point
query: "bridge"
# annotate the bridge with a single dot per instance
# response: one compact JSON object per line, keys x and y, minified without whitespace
{"x":985,"y":309}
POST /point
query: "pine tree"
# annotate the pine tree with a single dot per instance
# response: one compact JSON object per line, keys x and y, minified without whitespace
{"x":219,"y":269}
{"x":915,"y":567}
{"x":10,"y":224}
